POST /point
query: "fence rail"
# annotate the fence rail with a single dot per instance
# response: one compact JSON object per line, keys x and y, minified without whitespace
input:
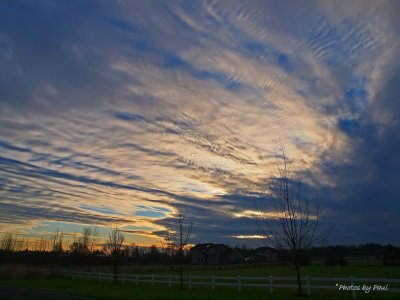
{"x":270,"y":282}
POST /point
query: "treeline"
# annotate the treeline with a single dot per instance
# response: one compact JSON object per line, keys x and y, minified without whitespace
{"x":131,"y":255}
{"x":88,"y":248}
{"x":341,"y":255}
{"x":86,"y":243}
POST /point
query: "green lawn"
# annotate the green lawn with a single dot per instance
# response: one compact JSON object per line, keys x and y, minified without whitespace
{"x":96,"y":290}
{"x":322,"y":271}
{"x":105,"y":290}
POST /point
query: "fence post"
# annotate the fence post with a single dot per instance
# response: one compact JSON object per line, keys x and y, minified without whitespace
{"x":190,"y":281}
{"x":170,"y":280}
{"x":271,"y":285}
{"x":152,"y":279}
{"x":213,"y":282}
{"x":353,"y":292}
{"x":308,"y":286}
{"x":89,"y":275}
{"x":98,"y":276}
{"x":110,"y":276}
{"x":239,"y":284}
{"x":123,"y":278}
{"x":137,"y":279}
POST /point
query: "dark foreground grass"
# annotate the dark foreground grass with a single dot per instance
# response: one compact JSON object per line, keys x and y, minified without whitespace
{"x":316,"y":271}
{"x":106,"y":290}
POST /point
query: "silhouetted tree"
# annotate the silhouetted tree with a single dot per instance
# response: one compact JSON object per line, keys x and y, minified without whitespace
{"x":57,"y":240}
{"x":154,"y":254}
{"x":83,"y":245}
{"x":114,"y":246}
{"x":136,"y":254}
{"x":8,"y":242}
{"x":177,"y":236}
{"x":291,"y":222}
{"x":41,"y":244}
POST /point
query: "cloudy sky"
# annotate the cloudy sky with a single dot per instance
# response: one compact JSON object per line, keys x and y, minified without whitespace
{"x":120,"y":112}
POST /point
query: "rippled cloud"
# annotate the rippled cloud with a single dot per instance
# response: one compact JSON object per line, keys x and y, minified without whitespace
{"x":118,"y":113}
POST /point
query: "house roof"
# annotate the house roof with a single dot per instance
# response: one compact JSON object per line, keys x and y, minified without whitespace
{"x":266,"y":249}
{"x":208,"y":246}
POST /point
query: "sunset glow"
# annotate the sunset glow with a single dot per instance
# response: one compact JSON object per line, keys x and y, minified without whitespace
{"x":118,"y":113}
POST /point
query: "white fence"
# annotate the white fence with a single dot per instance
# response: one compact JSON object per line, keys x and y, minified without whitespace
{"x":270,"y":283}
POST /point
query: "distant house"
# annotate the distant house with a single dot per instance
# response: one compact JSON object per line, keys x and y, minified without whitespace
{"x":267,"y":255}
{"x":213,"y":254}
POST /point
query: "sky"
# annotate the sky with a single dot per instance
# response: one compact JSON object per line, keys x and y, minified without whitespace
{"x":118,"y":113}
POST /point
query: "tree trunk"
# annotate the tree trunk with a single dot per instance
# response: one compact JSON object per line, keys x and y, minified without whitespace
{"x":181,"y":252}
{"x":181,"y":267}
{"x":299,"y":285}
{"x":115,"y":271}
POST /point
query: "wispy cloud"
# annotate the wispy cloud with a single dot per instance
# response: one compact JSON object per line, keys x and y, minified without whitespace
{"x":119,"y":112}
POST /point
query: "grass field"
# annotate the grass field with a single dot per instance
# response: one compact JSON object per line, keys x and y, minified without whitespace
{"x":105,"y":290}
{"x":321,"y":271}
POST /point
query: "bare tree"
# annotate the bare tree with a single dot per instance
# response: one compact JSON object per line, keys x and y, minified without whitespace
{"x":84,"y":244}
{"x":89,"y":237}
{"x":114,"y":246}
{"x":8,"y":242}
{"x":57,"y":241}
{"x":11,"y":243}
{"x":292,"y":221}
{"x":177,"y":237}
{"x":42,"y":244}
{"x":19,"y":244}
